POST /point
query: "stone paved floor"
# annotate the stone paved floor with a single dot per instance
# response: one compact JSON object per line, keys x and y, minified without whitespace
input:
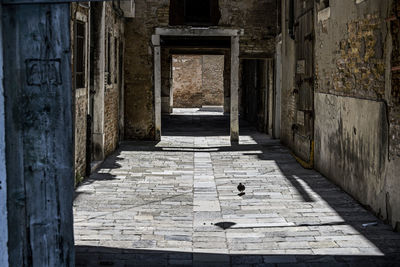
{"x":175,"y":203}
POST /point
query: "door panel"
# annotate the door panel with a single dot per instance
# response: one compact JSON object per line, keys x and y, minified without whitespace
{"x":304,"y":37}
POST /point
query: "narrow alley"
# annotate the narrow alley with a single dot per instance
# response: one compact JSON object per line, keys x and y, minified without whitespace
{"x":175,"y":202}
{"x":199,"y":133}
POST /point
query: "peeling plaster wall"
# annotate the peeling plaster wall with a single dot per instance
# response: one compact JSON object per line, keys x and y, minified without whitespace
{"x":351,"y":104}
{"x":257,"y":18}
{"x":356,"y":100}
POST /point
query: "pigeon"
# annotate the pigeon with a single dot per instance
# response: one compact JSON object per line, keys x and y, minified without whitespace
{"x":241,"y":187}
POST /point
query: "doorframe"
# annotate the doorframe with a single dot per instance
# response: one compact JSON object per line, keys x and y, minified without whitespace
{"x":234,"y":35}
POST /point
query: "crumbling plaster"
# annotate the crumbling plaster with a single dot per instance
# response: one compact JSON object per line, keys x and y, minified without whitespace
{"x":352,"y":62}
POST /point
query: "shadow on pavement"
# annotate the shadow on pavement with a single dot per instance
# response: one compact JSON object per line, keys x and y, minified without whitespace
{"x":90,"y":256}
{"x":353,"y":215}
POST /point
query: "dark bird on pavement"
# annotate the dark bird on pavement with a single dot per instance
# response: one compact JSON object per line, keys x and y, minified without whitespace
{"x":241,"y":187}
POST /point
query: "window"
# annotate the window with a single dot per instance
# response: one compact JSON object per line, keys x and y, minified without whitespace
{"x":194,"y":12}
{"x":115,"y":60}
{"x":108,"y":60}
{"x":80,"y":61}
{"x":291,"y":19}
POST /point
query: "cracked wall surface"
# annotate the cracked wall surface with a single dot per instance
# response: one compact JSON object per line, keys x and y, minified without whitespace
{"x":356,"y":117}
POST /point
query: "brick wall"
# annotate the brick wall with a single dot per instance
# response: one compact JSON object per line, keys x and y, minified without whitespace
{"x":111,"y":112}
{"x":198,"y":81}
{"x":115,"y":27}
{"x":213,"y":80}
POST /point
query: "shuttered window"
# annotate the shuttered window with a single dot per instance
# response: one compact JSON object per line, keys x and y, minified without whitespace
{"x":80,"y":55}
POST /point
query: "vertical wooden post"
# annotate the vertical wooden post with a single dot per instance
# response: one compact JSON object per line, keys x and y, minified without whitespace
{"x":3,"y":181}
{"x":39,"y":137}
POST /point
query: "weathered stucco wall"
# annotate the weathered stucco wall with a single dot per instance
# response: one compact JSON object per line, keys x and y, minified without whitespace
{"x":257,"y":18}
{"x":351,"y":104}
{"x":198,"y":81}
{"x":351,"y":146}
{"x":355,"y":100}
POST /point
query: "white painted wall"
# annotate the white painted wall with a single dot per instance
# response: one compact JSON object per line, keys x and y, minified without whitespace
{"x":3,"y":185}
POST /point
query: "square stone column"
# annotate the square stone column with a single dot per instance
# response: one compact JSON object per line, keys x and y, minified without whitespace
{"x":235,"y":89}
{"x":157,"y":86}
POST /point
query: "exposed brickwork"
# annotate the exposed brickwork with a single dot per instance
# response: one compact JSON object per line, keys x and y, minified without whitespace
{"x":257,"y":18}
{"x":198,"y":81}
{"x":359,"y":61}
{"x":111,"y":109}
{"x":187,"y":83}
{"x":213,"y":80}
{"x":353,"y":126}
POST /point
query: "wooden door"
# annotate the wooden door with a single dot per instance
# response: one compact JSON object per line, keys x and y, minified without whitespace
{"x":304,"y":37}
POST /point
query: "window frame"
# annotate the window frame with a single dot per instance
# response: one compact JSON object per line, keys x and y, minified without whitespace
{"x":80,"y":51}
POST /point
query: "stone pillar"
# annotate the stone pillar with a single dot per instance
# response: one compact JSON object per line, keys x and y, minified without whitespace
{"x":39,"y":133}
{"x":157,"y":86}
{"x":234,"y":89}
{"x":278,"y":85}
{"x":99,"y":86}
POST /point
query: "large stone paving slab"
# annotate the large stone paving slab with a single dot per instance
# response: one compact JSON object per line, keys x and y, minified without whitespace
{"x":175,"y":203}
